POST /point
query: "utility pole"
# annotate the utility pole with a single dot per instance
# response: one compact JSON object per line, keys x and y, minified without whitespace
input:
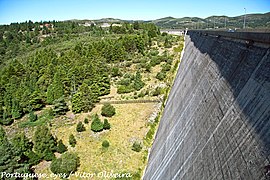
{"x":225,"y":22}
{"x":244,"y":26}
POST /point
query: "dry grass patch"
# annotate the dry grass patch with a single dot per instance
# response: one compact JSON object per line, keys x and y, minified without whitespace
{"x":129,"y":124}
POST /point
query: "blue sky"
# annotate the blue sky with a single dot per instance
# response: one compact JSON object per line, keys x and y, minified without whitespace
{"x":37,"y":10}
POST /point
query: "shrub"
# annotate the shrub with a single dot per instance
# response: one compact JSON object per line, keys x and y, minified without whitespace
{"x":157,"y":91}
{"x":161,"y":76}
{"x":65,"y":165}
{"x":137,"y":146}
{"x":72,"y":140}
{"x":96,"y":125}
{"x":86,"y":121}
{"x":107,"y":110}
{"x":106,"y":125}
{"x":115,"y":72}
{"x":80,"y":127}
{"x":61,"y":148}
{"x":32,"y":116}
{"x":6,"y":121}
{"x":105,"y":144}
{"x":124,"y":89}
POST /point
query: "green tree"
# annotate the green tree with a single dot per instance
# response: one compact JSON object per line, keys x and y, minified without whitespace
{"x":23,"y":147}
{"x":106,"y":125}
{"x":136,"y":25}
{"x":66,"y":164}
{"x":96,"y":125}
{"x":36,"y":101}
{"x":60,"y":106}
{"x":16,"y":109}
{"x":61,"y":148}
{"x":10,"y":159}
{"x":87,"y":97}
{"x":77,"y":103}
{"x":56,"y":89}
{"x":72,"y":140}
{"x":138,"y":83}
{"x":137,"y":146}
{"x":86,"y":121}
{"x":44,"y":143}
{"x":105,"y":144}
{"x":107,"y":110}
{"x":80,"y":127}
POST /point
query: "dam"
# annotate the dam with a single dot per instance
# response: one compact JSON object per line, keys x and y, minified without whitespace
{"x":216,"y":121}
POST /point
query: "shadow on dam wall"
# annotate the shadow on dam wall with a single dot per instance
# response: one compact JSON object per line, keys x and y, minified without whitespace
{"x":216,"y":122}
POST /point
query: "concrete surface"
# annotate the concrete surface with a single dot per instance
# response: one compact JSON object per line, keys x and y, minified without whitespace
{"x":216,"y":122}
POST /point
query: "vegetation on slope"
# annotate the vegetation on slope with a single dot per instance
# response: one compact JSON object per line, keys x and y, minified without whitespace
{"x":51,"y":81}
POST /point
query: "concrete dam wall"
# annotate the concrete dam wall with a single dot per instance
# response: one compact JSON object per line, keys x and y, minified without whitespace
{"x":216,"y":121}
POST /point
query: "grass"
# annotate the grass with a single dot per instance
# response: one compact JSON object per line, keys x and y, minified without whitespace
{"x":127,"y":126}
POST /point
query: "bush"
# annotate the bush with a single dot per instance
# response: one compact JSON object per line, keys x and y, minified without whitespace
{"x":65,"y":165}
{"x":6,"y":121}
{"x":105,"y":144}
{"x":80,"y":127}
{"x":96,"y":125}
{"x":157,"y":91}
{"x":61,"y":148}
{"x":107,"y":110}
{"x":137,"y":146}
{"x":72,"y":140}
{"x":86,"y":121}
{"x":32,"y":117}
{"x":124,"y":89}
{"x":115,"y":72}
{"x":106,"y":125}
{"x":161,"y":76}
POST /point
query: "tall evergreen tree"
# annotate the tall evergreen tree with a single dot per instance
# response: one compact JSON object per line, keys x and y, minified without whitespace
{"x":87,"y":97}
{"x":44,"y":143}
{"x":60,"y":106}
{"x":56,"y":89}
{"x":10,"y":160}
{"x":77,"y":104}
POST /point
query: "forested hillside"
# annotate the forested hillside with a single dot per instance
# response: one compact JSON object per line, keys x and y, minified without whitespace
{"x":54,"y":74}
{"x":79,"y":73}
{"x":253,"y":21}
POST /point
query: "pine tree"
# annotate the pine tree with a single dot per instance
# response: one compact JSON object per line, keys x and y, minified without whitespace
{"x":61,"y":148}
{"x":56,"y":89}
{"x":87,"y":97}
{"x":72,"y":140}
{"x":107,"y":110}
{"x":44,"y":143}
{"x":36,"y":101}
{"x":77,"y":104}
{"x":66,"y":164}
{"x":96,"y":125}
{"x":60,"y":106}
{"x":106,"y":125}
{"x":80,"y":127}
{"x":10,"y":159}
{"x":16,"y":109}
{"x":138,"y":83}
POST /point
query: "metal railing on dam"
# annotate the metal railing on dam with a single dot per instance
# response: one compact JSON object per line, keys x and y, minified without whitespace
{"x":260,"y":37}
{"x":216,"y":122}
